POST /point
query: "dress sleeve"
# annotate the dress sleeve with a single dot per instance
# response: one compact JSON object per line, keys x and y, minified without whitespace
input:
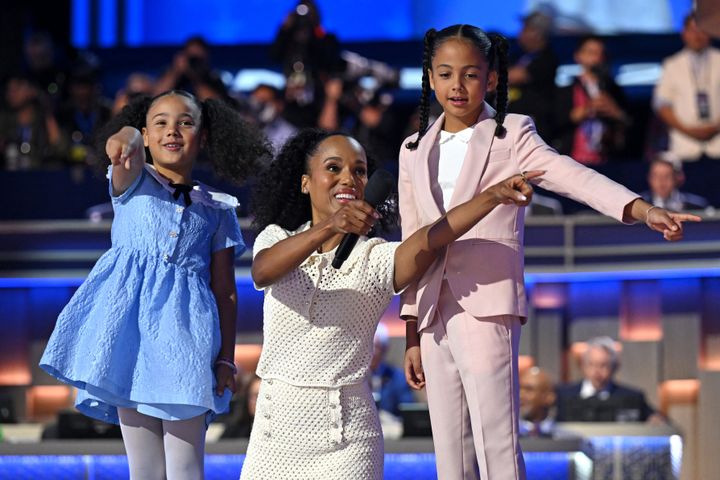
{"x":228,"y":233}
{"x":271,"y":235}
{"x":123,"y":197}
{"x":382,"y":262}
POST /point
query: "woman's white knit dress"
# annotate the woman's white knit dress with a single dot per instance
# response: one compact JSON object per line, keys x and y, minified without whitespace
{"x":316,"y":418}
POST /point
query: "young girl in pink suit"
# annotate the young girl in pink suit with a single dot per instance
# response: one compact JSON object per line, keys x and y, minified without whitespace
{"x":464,"y":315}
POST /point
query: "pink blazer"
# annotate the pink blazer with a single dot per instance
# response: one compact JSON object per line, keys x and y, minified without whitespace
{"x":484,"y":268}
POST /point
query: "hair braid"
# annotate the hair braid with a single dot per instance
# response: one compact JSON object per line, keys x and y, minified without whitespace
{"x":500,"y":44}
{"x":429,"y":44}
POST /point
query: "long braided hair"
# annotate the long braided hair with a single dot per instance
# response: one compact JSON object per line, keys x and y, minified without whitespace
{"x":494,"y":48}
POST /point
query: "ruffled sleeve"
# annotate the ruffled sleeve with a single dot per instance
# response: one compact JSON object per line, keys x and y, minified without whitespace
{"x":228,"y":233}
{"x":122,"y":198}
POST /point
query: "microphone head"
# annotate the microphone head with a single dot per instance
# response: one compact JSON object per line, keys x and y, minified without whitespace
{"x":379,"y":187}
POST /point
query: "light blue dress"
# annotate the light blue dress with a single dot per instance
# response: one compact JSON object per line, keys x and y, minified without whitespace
{"x":143,"y":330}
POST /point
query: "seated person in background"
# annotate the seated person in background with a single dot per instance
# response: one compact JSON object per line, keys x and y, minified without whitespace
{"x":665,"y":177}
{"x":598,"y":398}
{"x":239,"y":422}
{"x":537,"y":399}
{"x":388,"y":382}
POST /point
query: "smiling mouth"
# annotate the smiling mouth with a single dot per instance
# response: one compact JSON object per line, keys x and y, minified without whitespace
{"x":458,"y":99}
{"x":345,"y":197}
{"x":173,"y":147}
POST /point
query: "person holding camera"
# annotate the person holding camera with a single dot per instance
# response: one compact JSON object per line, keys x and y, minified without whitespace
{"x":191,"y":71}
{"x":591,"y":120}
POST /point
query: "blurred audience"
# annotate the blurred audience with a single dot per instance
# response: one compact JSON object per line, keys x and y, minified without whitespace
{"x":192,"y":70}
{"x":84,"y":112}
{"x":309,"y":57}
{"x":531,"y":76}
{"x":537,"y":401}
{"x":590,"y":114}
{"x":687,"y":97}
{"x":137,"y":83}
{"x":387,"y":381}
{"x":267,"y":105}
{"x":30,"y":136}
{"x":42,"y":67}
{"x":665,"y":177}
{"x":598,"y":397}
{"x":687,"y":100}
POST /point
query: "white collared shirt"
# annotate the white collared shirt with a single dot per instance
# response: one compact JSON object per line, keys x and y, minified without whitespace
{"x":587,"y":390}
{"x":453,"y":147}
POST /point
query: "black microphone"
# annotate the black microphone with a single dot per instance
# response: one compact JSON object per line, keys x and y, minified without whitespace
{"x":378,"y":188}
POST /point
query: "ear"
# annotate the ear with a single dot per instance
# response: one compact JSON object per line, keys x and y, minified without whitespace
{"x":146,"y":137}
{"x":430,"y":77}
{"x":550,"y":398}
{"x":303,"y":183}
{"x":492,"y":82}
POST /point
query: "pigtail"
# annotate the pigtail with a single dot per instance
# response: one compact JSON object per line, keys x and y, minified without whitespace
{"x":235,"y":147}
{"x":500,"y":46}
{"x":428,"y":45}
{"x":132,"y":115}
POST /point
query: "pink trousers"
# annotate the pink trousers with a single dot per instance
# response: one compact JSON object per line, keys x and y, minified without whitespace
{"x":471,"y":373}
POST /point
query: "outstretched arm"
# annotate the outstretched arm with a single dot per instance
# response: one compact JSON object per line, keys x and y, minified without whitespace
{"x":664,"y":221}
{"x":417,"y":252}
{"x":127,"y":156}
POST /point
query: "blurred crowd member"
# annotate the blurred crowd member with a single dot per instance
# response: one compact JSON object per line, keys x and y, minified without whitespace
{"x":309,"y":57}
{"x":29,"y":133}
{"x":590,"y":118}
{"x":598,"y":397}
{"x":531,"y":76}
{"x":267,"y":105}
{"x":302,"y":45}
{"x":665,"y":177}
{"x":42,"y":67}
{"x":687,"y":97}
{"x":82,"y":114}
{"x":687,"y":100}
{"x":388,"y":382}
{"x":137,"y":83}
{"x":238,"y":423}
{"x":192,"y":71}
{"x":366,"y":113}
{"x":376,"y":128}
{"x":537,"y":399}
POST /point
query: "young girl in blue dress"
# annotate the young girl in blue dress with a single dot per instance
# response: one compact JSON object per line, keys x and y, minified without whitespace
{"x":148,"y":339}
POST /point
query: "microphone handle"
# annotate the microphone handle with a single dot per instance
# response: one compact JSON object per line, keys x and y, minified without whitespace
{"x":344,"y":249}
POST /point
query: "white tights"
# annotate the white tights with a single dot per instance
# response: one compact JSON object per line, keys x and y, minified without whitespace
{"x":163,"y":449}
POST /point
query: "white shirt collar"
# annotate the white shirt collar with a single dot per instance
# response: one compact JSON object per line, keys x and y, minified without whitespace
{"x":587,"y":390}
{"x":463,"y":135}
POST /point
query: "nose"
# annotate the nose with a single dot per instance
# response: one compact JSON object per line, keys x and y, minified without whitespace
{"x":171,"y":130}
{"x":347,"y":178}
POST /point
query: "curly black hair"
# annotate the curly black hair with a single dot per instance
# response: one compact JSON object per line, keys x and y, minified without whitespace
{"x":235,"y":147}
{"x":277,"y":199}
{"x":495,"y":49}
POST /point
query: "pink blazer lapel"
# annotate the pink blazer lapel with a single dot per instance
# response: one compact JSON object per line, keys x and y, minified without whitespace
{"x":476,"y":158}
{"x":432,"y":210}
